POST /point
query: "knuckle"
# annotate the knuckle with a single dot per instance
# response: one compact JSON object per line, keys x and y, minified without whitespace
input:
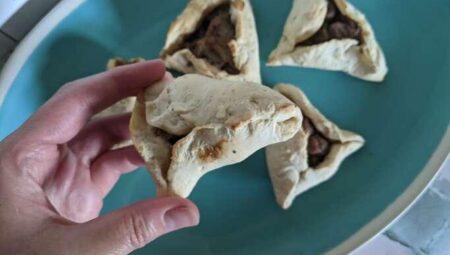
{"x":116,"y":79}
{"x":141,"y":231}
{"x":73,"y":95}
{"x":69,"y":88}
{"x":66,"y":88}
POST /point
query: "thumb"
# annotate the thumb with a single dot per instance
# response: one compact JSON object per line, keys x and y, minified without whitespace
{"x":130,"y":228}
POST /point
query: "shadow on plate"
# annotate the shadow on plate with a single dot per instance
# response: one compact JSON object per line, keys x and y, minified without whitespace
{"x":68,"y":58}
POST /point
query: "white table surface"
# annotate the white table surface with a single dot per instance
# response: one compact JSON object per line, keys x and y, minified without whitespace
{"x":424,"y":229}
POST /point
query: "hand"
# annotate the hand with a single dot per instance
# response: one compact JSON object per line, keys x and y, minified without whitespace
{"x":56,"y":169}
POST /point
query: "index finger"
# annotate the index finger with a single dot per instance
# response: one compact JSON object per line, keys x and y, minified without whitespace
{"x":63,"y":116}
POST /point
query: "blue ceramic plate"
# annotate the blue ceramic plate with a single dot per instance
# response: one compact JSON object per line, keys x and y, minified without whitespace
{"x":403,"y":119}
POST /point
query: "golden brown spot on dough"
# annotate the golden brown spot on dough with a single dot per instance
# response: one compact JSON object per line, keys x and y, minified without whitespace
{"x":286,"y":107}
{"x":253,"y":100}
{"x":243,"y":121}
{"x":238,"y":5}
{"x":236,"y":124}
{"x":211,"y":153}
{"x":232,"y":46}
{"x":290,"y":122}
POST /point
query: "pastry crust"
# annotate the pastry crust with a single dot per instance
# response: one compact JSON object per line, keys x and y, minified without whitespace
{"x":365,"y":60}
{"x":288,"y":161}
{"x":244,"y":48}
{"x":217,"y":123}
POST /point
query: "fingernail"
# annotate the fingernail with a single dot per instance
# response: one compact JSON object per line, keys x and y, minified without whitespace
{"x":180,"y":217}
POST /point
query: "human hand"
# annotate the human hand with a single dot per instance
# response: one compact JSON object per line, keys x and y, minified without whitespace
{"x":56,"y":169}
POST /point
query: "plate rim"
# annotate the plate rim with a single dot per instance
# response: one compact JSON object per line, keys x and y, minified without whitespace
{"x":355,"y":242}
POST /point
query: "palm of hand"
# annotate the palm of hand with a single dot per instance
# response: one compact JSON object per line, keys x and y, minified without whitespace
{"x":74,"y":178}
{"x":71,"y":190}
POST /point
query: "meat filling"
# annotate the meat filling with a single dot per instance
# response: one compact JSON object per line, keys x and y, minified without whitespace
{"x":210,"y":40}
{"x":318,"y":145}
{"x":122,"y":62}
{"x":335,"y":26}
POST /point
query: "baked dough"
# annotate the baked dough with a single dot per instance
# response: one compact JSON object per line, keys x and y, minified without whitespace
{"x":187,"y":127}
{"x":292,"y":168}
{"x":241,"y":48}
{"x":362,"y":58}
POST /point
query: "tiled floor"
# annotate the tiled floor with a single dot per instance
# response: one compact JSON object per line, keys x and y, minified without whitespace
{"x":424,"y":229}
{"x":384,"y":246}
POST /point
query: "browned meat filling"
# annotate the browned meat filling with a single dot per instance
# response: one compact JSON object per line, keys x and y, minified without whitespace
{"x":335,"y":26}
{"x":210,"y":40}
{"x":318,"y":145}
{"x":122,"y":62}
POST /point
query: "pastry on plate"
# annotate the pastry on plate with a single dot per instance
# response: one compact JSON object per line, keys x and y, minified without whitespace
{"x":312,"y":156}
{"x":187,"y":127}
{"x":216,"y":38}
{"x":330,"y":35}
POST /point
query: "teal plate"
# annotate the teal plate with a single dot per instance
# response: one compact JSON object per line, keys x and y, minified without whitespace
{"x":404,"y":119}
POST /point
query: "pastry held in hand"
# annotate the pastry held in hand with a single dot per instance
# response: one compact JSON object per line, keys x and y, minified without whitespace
{"x":330,"y":35}
{"x":312,"y":156}
{"x":186,"y":127}
{"x":216,"y":38}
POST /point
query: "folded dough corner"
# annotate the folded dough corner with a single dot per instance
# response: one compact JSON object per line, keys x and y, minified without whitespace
{"x":331,"y":35}
{"x":187,"y":127}
{"x":216,"y":38}
{"x":312,"y":156}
